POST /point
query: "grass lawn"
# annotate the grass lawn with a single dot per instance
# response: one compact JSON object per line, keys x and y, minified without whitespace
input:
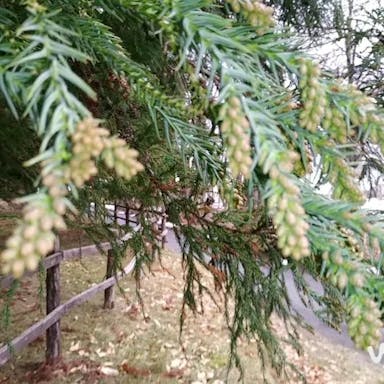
{"x":123,"y":345}
{"x":129,"y":345}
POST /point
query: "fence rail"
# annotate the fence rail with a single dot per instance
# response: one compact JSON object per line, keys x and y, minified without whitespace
{"x":37,"y":329}
{"x":58,"y":257}
{"x":51,"y":322}
{"x":55,"y":311}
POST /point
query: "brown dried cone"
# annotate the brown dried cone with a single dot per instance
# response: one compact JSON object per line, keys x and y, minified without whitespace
{"x":288,"y":216}
{"x":258,"y":14}
{"x":312,"y":95}
{"x":364,"y":321}
{"x":236,"y":133}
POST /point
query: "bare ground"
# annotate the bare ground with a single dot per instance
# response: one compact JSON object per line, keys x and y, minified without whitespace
{"x":125,"y":345}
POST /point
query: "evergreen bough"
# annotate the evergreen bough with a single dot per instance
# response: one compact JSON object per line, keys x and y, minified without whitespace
{"x":125,"y":95}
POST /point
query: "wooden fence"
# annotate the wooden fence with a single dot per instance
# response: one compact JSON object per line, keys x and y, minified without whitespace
{"x":55,"y":311}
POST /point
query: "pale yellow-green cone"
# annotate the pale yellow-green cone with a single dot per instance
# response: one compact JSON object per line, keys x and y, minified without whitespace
{"x":364,"y":322}
{"x":312,"y":95}
{"x":35,"y":235}
{"x":89,"y":141}
{"x":364,"y":114}
{"x":236,"y":133}
{"x":257,"y":14}
{"x":343,"y":178}
{"x":32,"y":239}
{"x":335,"y":124}
{"x":288,"y":213}
{"x":117,"y":155}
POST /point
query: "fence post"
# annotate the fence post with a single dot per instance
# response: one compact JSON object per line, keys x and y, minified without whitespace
{"x":163,"y":224}
{"x":126,"y":214}
{"x":115,"y":212}
{"x":109,"y":292}
{"x":53,"y":336}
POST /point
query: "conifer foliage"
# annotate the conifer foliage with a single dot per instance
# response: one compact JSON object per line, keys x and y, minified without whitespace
{"x":156,"y":102}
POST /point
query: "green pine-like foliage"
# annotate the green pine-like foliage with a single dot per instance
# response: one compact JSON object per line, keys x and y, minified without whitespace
{"x":217,"y":94}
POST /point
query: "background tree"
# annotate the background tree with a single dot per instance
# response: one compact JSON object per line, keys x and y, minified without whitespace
{"x":346,"y":37}
{"x":214,"y":85}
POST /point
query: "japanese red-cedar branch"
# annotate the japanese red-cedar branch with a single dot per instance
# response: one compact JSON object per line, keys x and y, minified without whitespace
{"x":215,"y":83}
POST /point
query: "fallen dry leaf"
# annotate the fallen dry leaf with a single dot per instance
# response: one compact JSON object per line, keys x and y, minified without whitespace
{"x":175,"y":363}
{"x":100,"y":353}
{"x":108,"y":371}
{"x":74,"y":346}
{"x":137,"y":372}
{"x":174,"y":373}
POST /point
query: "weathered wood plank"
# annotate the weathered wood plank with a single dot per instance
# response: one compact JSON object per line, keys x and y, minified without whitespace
{"x":88,"y":250}
{"x":48,"y":262}
{"x":109,"y":292}
{"x":58,"y":257}
{"x":41,"y":326}
{"x":52,"y":260}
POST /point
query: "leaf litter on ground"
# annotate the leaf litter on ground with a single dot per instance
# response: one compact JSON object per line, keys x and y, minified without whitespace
{"x":119,"y":346}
